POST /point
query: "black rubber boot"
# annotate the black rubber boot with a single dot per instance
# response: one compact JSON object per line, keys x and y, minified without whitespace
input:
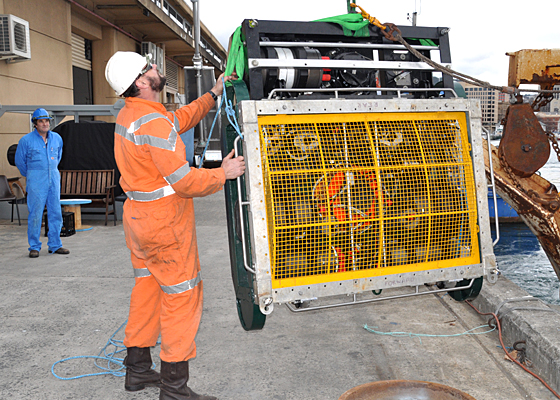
{"x":174,"y":378}
{"x":139,"y":372}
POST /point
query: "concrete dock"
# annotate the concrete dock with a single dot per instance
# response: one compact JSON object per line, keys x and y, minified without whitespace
{"x":60,"y":306}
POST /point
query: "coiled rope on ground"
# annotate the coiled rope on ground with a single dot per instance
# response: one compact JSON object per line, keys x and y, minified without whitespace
{"x":114,"y":366}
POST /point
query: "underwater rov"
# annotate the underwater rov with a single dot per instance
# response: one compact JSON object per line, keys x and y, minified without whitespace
{"x":351,"y":187}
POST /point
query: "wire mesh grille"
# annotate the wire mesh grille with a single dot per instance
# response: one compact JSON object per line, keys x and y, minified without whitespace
{"x":350,"y":195}
{"x":4,"y":34}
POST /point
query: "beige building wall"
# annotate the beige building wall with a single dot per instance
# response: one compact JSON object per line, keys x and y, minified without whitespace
{"x":102,"y":50}
{"x":46,"y":78}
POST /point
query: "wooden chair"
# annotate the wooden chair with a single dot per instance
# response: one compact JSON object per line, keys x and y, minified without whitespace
{"x":7,"y":195}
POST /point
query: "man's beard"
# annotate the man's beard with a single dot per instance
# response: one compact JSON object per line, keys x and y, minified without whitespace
{"x":158,"y":85}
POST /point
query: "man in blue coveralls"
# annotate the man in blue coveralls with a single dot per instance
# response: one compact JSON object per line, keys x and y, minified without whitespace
{"x":37,"y":156}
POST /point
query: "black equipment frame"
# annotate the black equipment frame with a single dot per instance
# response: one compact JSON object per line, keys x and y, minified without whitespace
{"x":315,"y":33}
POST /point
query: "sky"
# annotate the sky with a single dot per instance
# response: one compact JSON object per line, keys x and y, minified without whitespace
{"x":481,"y":31}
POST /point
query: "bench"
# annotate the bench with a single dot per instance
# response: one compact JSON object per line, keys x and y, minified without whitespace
{"x":97,"y":185}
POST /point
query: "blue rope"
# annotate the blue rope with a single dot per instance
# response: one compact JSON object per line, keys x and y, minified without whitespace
{"x":420,"y":335}
{"x":230,"y":112}
{"x":114,"y":366}
{"x":212,"y":129}
{"x":117,"y":370}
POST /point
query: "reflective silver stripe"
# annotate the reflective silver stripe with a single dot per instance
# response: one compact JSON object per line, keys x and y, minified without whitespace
{"x":183,"y":286}
{"x":129,"y":133}
{"x":121,"y":130}
{"x":179,"y":174}
{"x":141,"y":272}
{"x":177,"y":126}
{"x":151,"y":196}
{"x":164,"y":144}
{"x":134,"y":126}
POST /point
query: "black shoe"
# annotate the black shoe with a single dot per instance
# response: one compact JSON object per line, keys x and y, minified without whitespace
{"x":33,"y":254}
{"x":62,"y":250}
{"x":139,"y":372}
{"x":174,"y":377}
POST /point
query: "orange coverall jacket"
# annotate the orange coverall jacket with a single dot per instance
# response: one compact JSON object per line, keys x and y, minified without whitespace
{"x":159,"y":223}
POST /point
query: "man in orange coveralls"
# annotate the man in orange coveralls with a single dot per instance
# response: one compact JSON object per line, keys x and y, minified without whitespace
{"x":159,"y":223}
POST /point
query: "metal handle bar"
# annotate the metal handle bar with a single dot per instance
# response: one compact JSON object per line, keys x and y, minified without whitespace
{"x":493,"y":186}
{"x":345,"y":45}
{"x":399,"y":296}
{"x":359,"y":89}
{"x":241,"y":204}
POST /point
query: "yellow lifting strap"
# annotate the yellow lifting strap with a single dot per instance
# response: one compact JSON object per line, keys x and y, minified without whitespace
{"x":372,"y":20}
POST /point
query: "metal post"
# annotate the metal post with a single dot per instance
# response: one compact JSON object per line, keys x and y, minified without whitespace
{"x":197,"y":63}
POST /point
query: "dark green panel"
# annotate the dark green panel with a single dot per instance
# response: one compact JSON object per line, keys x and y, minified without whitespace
{"x":243,"y":281}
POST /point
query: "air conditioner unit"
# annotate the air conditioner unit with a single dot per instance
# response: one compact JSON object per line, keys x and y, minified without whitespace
{"x":156,"y":52}
{"x":14,"y":38}
{"x":180,"y":99}
{"x":160,"y":58}
{"x":149,"y":48}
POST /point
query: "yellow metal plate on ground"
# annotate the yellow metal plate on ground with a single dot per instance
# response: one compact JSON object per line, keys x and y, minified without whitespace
{"x":361,"y":195}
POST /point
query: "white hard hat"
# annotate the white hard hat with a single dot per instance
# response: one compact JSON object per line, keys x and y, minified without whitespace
{"x":123,"y":68}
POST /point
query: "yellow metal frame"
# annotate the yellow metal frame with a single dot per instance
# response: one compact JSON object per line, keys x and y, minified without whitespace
{"x":352,"y":196}
{"x":540,"y":67}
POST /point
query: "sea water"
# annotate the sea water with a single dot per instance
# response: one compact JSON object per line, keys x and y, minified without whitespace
{"x":520,"y":256}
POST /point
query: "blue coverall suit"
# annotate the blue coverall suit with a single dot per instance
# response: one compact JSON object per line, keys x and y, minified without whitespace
{"x":38,"y":162}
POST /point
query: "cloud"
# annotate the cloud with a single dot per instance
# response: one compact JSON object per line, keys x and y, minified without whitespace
{"x":482,"y":31}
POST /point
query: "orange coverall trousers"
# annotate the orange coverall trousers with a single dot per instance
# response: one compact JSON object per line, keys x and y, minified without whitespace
{"x":162,"y":239}
{"x":159,"y":223}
